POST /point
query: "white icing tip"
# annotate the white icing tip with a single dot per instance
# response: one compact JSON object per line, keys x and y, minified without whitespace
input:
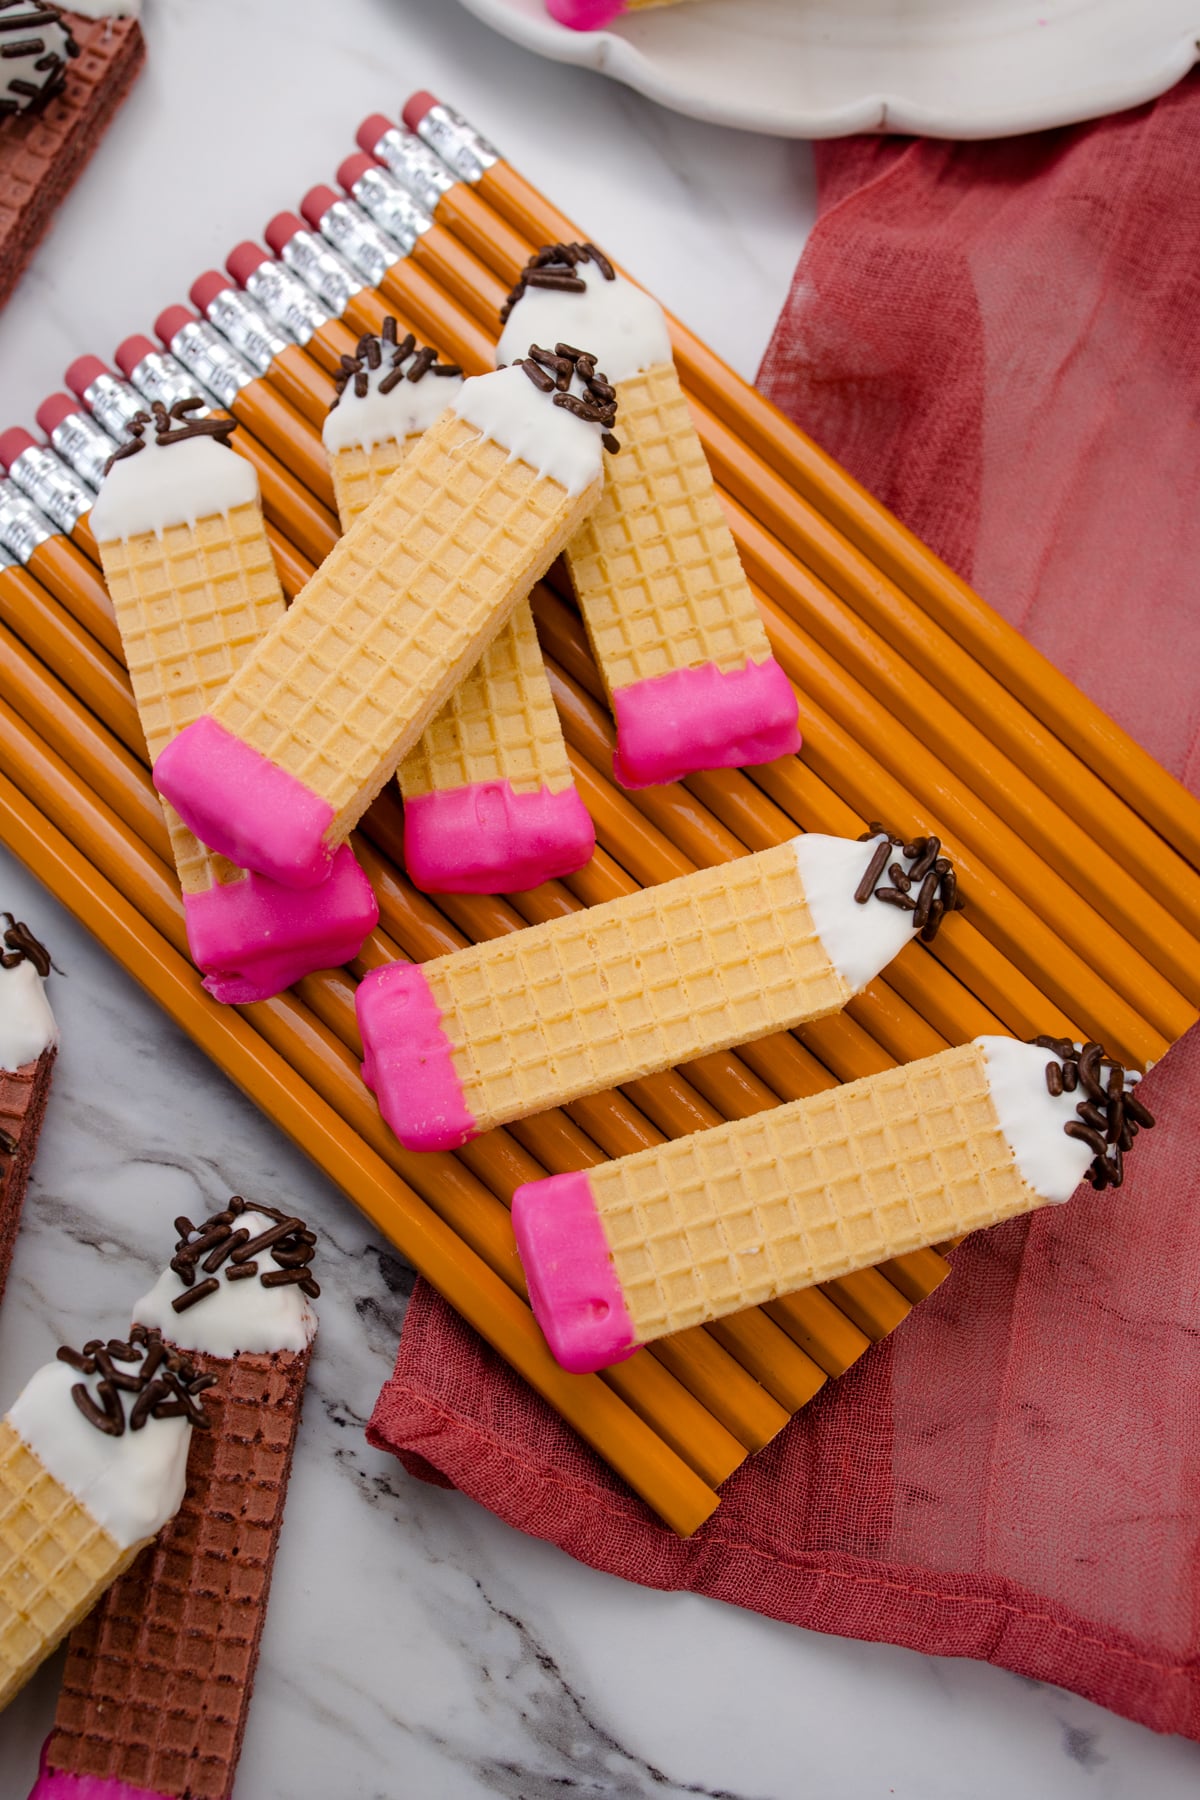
{"x":625,"y":330}
{"x":507,"y":408}
{"x":27,"y":1025}
{"x":1032,"y":1118}
{"x":132,"y":1484}
{"x":170,"y":484}
{"x":859,"y":939}
{"x":239,"y":1315}
{"x":408,"y":409}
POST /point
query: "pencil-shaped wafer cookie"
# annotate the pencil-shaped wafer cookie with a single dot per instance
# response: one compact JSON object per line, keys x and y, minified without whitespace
{"x":672,"y":621}
{"x":322,"y":711}
{"x":194,"y":587}
{"x":158,"y":1680}
{"x":591,"y":999}
{"x":92,"y":1457}
{"x":28,"y":1047}
{"x":726,"y":1219}
{"x":490,"y":804}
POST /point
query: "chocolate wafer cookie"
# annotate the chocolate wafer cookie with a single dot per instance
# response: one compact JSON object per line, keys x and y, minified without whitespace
{"x":44,"y":148}
{"x":28,"y":1046}
{"x":157,"y":1685}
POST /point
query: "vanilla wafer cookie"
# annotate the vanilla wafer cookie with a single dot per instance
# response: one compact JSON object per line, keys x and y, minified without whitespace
{"x":590,"y":999}
{"x":338,"y":692}
{"x":92,"y":1457}
{"x":194,"y":587}
{"x":158,"y":1681}
{"x":673,"y":624}
{"x":709,"y":1224}
{"x":490,"y":801}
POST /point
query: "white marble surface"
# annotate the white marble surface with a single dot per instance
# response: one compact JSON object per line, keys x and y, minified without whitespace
{"x":415,"y":1647}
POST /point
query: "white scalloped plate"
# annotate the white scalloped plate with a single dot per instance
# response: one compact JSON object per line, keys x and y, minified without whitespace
{"x":825,"y":68}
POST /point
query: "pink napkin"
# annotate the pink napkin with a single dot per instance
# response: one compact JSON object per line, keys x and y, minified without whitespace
{"x":1000,"y":340}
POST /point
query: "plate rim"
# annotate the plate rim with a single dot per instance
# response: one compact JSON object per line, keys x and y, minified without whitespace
{"x":607,"y":54}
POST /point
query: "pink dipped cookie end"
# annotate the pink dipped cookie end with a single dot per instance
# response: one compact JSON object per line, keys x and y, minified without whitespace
{"x":694,"y":719}
{"x":488,"y":839}
{"x":585,"y":15}
{"x":252,"y":938}
{"x":573,"y":1286}
{"x":244,"y":807}
{"x":407,"y":1061}
{"x":59,"y":1784}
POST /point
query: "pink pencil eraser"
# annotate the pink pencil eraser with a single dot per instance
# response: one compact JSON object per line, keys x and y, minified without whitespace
{"x":54,"y":409}
{"x":370,"y":132}
{"x":281,"y":230}
{"x":13,"y":443}
{"x":585,"y":15}
{"x":171,"y":321}
{"x":243,"y":259}
{"x":316,"y":203}
{"x":352,"y":169}
{"x":82,"y":372}
{"x":415,"y":108}
{"x":133,"y":350}
{"x":206,"y":287}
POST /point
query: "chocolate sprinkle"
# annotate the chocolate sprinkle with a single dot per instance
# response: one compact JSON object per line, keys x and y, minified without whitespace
{"x":173,"y":425}
{"x":931,"y":873}
{"x":20,"y":945}
{"x":50,"y":65}
{"x":554,"y":266}
{"x":402,"y":357}
{"x":553,"y":371}
{"x":162,"y":1380}
{"x":1109,"y":1116}
{"x":222,"y":1243}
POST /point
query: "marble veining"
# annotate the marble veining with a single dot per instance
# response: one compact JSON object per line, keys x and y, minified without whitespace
{"x":414,"y":1646}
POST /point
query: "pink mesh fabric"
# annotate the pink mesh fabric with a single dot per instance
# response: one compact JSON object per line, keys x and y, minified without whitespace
{"x":999,"y":340}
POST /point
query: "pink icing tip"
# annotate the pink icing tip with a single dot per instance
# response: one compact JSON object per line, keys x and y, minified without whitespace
{"x":371,"y":132}
{"x":82,"y":372}
{"x":253,"y":938}
{"x":674,"y":725}
{"x":573,"y":1285}
{"x":245,"y":807}
{"x":488,"y":839}
{"x":58,"y":1784}
{"x":415,"y":108}
{"x":585,"y":15}
{"x":407,"y":1062}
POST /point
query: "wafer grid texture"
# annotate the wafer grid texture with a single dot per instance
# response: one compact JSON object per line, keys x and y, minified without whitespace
{"x":726,"y":1219}
{"x":500,"y":723}
{"x":341,"y":689}
{"x":190,"y":602}
{"x":359,"y":473}
{"x":54,"y":1561}
{"x":158,"y":1679}
{"x":655,"y":568}
{"x":613,"y":992}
